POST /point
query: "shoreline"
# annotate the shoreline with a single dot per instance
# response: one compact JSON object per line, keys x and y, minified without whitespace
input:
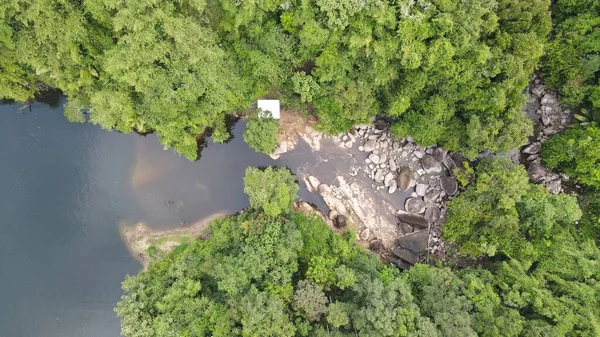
{"x":147,"y":245}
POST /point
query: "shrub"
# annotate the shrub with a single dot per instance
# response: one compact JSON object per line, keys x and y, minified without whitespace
{"x":577,"y":153}
{"x":261,"y":134}
{"x":271,"y":190}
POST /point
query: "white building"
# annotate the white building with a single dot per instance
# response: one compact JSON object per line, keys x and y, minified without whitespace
{"x":269,"y":105}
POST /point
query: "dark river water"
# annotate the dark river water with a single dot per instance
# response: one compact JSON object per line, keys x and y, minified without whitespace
{"x":64,"y":190}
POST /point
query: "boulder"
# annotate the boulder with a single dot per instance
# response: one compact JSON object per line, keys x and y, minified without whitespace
{"x":414,"y":205}
{"x":419,"y":154}
{"x":324,"y":189}
{"x":554,"y":186}
{"x":388,"y":179}
{"x":374,"y":158}
{"x":432,"y":214}
{"x":406,"y":255}
{"x":546,"y":120}
{"x":406,"y":228}
{"x":432,"y":195}
{"x":536,"y":171}
{"x":538,"y":90}
{"x":412,"y":219}
{"x":383,"y":158}
{"x":312,"y":183}
{"x":378,"y":176}
{"x":449,"y":163}
{"x":439,"y":154}
{"x":401,"y":264}
{"x":405,"y":179}
{"x":333,"y":214}
{"x":330,"y":200}
{"x":393,"y":186}
{"x":415,"y":242}
{"x":532,"y":148}
{"x":381,"y":124}
{"x":364,"y":234}
{"x":449,"y":185}
{"x":369,"y":145}
{"x":421,"y":189}
{"x":430,"y":164}
{"x":549,"y":99}
{"x":339,"y":221}
{"x":392,"y":164}
{"x":375,"y":244}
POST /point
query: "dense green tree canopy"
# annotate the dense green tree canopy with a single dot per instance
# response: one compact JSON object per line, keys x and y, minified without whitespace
{"x":577,"y":153}
{"x":271,"y":190}
{"x":265,"y":276}
{"x":293,"y":276}
{"x":572,"y":62}
{"x":501,"y":212}
{"x":261,"y":134}
{"x":447,"y":72}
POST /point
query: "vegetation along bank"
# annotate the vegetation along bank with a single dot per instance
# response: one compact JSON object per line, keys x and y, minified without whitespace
{"x":442,"y":74}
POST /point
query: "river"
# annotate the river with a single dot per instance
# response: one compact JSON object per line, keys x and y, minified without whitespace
{"x":64,"y":190}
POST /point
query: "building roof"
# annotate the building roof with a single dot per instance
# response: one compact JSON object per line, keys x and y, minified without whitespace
{"x":269,"y":105}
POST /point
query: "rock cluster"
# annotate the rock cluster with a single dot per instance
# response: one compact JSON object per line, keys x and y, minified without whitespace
{"x":549,"y":118}
{"x":401,"y":166}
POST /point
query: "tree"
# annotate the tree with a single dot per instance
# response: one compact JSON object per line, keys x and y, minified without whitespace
{"x":575,"y":152}
{"x":439,"y":294}
{"x":252,"y":277}
{"x":450,"y":73}
{"x":261,"y":134}
{"x":249,"y":279}
{"x":589,"y":202}
{"x":310,"y":299}
{"x":501,"y":212}
{"x":572,"y":62}
{"x":271,"y":190}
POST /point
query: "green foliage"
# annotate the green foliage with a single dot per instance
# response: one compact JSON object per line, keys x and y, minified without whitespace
{"x":310,"y":299}
{"x":450,"y":73}
{"x":589,"y":202}
{"x":271,"y":190}
{"x":501,"y":212}
{"x":261,"y":134}
{"x":572,"y":62}
{"x":464,"y":174}
{"x":463,"y":66}
{"x":575,"y":152}
{"x":559,"y":294}
{"x":439,"y":296}
{"x":305,"y":86}
{"x":249,"y":279}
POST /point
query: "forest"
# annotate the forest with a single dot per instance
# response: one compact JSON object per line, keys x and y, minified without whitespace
{"x":446,"y":72}
{"x":276,"y":271}
{"x":451,"y":73}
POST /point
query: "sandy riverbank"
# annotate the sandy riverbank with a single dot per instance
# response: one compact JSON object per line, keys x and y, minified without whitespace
{"x":148,"y":245}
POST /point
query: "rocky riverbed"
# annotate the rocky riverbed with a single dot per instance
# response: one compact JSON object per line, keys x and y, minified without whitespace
{"x":549,"y":118}
{"x":391,"y":192}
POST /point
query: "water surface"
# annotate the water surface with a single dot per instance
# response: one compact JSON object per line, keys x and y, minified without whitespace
{"x":65,"y":188}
